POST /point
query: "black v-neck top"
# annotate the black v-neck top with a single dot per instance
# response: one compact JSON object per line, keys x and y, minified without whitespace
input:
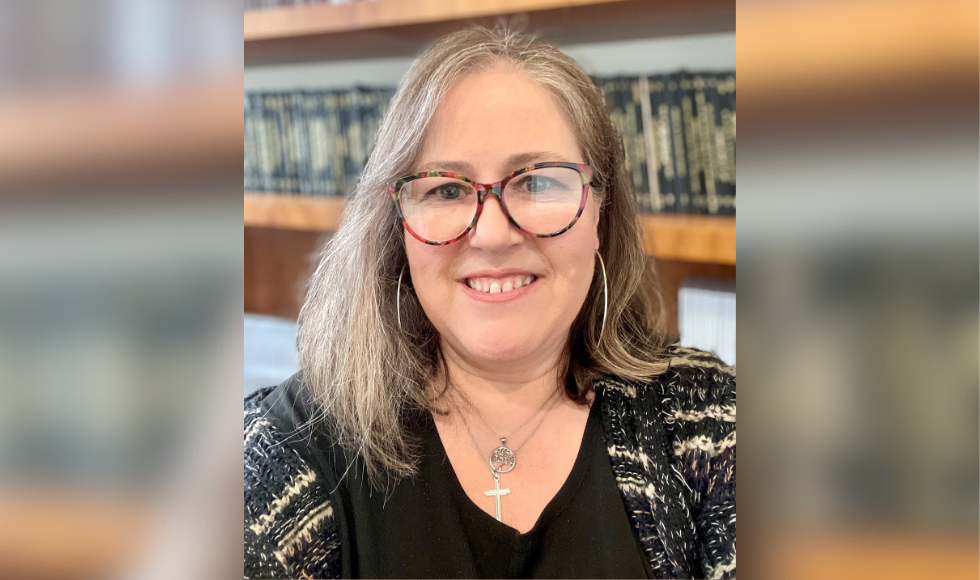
{"x":427,"y":527}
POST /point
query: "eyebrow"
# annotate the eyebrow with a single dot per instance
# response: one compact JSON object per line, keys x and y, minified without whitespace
{"x":513,"y":162}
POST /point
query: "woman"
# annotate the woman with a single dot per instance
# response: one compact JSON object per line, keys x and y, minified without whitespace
{"x":483,"y":391}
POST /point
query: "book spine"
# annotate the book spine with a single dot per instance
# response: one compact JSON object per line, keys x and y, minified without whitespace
{"x":630,"y":136}
{"x":372,"y":120}
{"x":251,"y":147}
{"x":346,"y":119}
{"x":268,"y":138}
{"x":289,"y":153}
{"x":693,"y":148}
{"x":641,"y":181}
{"x":611,"y":88}
{"x":275,"y":106}
{"x":654,"y":201}
{"x":706,"y":124}
{"x":726,"y":97}
{"x":258,"y":126}
{"x":301,"y":143}
{"x":660,"y":107}
{"x":356,"y":140}
{"x":336,"y":184}
{"x":681,"y":180}
{"x":316,"y":135}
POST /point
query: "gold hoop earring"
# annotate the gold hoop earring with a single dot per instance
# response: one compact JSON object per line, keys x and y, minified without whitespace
{"x":605,"y":297}
{"x":398,"y":299}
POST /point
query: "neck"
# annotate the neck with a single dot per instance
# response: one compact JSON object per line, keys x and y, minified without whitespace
{"x":505,"y":394}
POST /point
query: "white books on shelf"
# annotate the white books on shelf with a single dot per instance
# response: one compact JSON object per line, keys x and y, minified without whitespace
{"x":706,"y":316}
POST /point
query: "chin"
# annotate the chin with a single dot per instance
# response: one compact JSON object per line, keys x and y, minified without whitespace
{"x":504,"y":349}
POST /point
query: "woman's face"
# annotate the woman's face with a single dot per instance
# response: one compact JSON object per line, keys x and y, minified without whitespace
{"x":490,"y":124}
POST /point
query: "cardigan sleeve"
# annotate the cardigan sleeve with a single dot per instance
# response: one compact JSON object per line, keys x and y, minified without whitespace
{"x":701,"y":416}
{"x":290,"y":526}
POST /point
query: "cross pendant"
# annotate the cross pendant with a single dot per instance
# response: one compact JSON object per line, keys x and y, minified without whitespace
{"x":497,"y":492}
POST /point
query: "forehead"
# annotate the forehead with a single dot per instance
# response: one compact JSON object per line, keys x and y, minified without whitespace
{"x":488,"y":119}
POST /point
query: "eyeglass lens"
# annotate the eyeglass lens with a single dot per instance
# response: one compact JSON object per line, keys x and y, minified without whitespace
{"x":542,"y":201}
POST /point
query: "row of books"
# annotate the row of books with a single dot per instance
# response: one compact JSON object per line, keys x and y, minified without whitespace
{"x":678,"y":137}
{"x":311,"y":142}
{"x":706,"y":316}
{"x":262,"y":4}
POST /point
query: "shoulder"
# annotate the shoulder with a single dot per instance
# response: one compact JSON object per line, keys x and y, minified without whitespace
{"x":698,"y":381}
{"x":693,"y":400}
{"x":672,"y":447}
{"x":290,"y":525}
{"x":695,"y":380}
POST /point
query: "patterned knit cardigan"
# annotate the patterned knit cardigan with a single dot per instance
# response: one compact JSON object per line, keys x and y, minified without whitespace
{"x":671,"y":445}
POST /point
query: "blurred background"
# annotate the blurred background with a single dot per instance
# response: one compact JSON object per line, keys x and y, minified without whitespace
{"x":120,"y":288}
{"x":121,"y":277}
{"x":858,"y":256}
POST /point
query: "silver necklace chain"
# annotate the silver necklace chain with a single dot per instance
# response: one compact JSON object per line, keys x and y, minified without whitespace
{"x":479,"y":415}
{"x":554,"y":401}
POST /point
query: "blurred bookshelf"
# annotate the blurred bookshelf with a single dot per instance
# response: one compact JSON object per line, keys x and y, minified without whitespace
{"x":688,"y":238}
{"x":99,"y":135}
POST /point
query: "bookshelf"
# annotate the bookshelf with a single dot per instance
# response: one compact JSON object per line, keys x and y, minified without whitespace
{"x":110,"y":135}
{"x":379,"y":28}
{"x":686,"y":238}
{"x":54,"y":532}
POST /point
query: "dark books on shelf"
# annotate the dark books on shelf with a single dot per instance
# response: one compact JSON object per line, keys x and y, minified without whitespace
{"x":678,"y":134}
{"x":678,"y":139}
{"x":311,"y":142}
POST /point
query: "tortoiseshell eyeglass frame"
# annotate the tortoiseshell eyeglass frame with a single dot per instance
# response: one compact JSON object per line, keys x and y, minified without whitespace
{"x":485,"y":189}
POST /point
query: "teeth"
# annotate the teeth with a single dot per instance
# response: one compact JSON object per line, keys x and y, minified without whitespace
{"x":491,"y":286}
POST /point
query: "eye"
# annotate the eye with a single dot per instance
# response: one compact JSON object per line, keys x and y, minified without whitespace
{"x":537,"y":183}
{"x":447,"y":191}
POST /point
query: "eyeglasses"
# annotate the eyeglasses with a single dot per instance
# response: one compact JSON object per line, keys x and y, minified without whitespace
{"x":543,"y":200}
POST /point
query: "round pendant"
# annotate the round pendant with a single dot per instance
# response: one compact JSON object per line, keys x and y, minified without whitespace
{"x":502,"y":459}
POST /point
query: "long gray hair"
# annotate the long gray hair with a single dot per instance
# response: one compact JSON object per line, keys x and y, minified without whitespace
{"x":362,"y":368}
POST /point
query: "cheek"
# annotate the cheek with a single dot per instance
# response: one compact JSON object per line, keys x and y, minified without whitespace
{"x":429,"y":266}
{"x":574,"y":265}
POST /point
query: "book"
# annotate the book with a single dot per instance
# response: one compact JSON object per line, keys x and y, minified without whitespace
{"x":706,"y":316}
{"x":300,"y":142}
{"x":251,"y":148}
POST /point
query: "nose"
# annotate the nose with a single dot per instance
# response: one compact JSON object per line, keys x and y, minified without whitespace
{"x":493,"y":231}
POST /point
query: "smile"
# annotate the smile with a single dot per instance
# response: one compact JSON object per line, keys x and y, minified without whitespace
{"x":498,"y":286}
{"x":503,"y":285}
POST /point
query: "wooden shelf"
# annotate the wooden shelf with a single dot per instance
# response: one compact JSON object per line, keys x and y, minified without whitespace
{"x":689,"y":238}
{"x":293,"y":212}
{"x":94,"y":536}
{"x":811,"y":48}
{"x":373,"y":28}
{"x":107,"y":135}
{"x":703,"y":239}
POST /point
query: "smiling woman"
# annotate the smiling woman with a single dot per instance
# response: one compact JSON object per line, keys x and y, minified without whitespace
{"x":485,"y":390}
